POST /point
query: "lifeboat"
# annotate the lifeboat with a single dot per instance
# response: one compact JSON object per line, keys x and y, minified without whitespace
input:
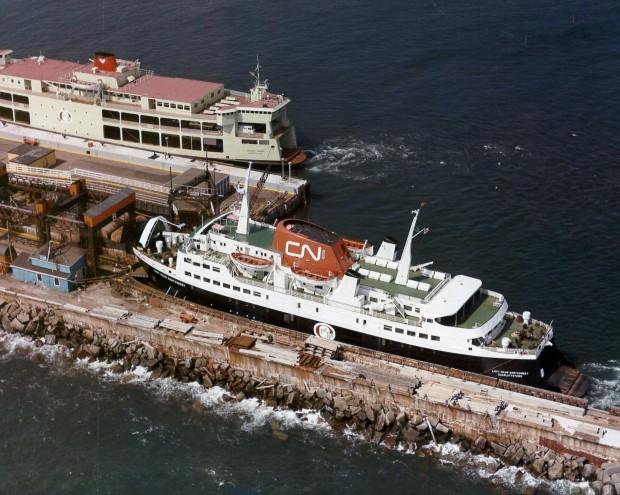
{"x":250,"y":265}
{"x":310,"y":279}
{"x":358,"y":248}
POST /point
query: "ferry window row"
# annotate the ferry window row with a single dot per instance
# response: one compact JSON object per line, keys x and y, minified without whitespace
{"x":410,"y":333}
{"x":154,"y":121}
{"x":166,"y":104}
{"x":226,"y":285}
{"x":14,"y":115}
{"x":167,"y":140}
{"x":18,"y":99}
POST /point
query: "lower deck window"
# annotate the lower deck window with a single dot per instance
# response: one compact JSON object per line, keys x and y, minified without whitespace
{"x":206,"y":279}
{"x":226,"y":286}
{"x":410,"y":333}
{"x":257,"y":294}
{"x":246,"y":291}
{"x":434,"y":337}
{"x":387,"y":327}
{"x":423,"y":336}
{"x":215,"y":282}
{"x":399,"y":330}
{"x":188,"y":274}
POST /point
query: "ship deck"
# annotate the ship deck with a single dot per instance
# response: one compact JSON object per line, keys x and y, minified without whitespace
{"x":513,"y":329}
{"x":396,"y":289}
{"x":260,"y":235}
{"x":487,"y":308}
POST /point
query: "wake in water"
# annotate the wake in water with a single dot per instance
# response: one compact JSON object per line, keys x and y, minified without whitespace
{"x":357,"y":160}
{"x":605,"y":389}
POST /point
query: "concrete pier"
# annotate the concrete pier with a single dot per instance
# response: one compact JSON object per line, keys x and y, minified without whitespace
{"x":518,"y":424}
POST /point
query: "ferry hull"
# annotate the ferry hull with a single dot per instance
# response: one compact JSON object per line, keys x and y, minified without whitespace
{"x":559,"y":374}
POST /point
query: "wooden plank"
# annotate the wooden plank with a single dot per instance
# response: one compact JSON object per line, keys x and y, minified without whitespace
{"x":177,"y":326}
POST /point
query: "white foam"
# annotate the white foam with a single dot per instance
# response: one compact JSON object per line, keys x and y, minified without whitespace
{"x":356,"y":159}
{"x":605,"y":389}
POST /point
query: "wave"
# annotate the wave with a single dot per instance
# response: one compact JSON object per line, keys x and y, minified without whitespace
{"x":353,"y":158}
{"x":605,"y":389}
{"x":255,"y":415}
{"x":509,"y":478}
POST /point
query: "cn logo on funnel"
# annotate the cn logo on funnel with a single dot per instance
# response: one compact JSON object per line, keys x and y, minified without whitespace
{"x":297,"y":250}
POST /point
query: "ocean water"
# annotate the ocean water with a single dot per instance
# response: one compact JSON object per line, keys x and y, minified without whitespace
{"x":501,"y":115}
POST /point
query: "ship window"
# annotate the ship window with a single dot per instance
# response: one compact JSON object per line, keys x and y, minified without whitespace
{"x":399,"y":330}
{"x":20,"y":99}
{"x":226,"y":286}
{"x":298,"y":305}
{"x":373,"y":299}
{"x":257,"y":294}
{"x":188,"y":274}
{"x":247,"y":291}
{"x":434,"y":337}
{"x":196,"y":276}
{"x":417,"y":310}
{"x":423,"y":336}
{"x":5,"y":96}
{"x":190,"y":143}
{"x":23,"y":117}
{"x":205,"y":266}
{"x":248,"y":141}
{"x":131,"y":135}
{"x":207,"y":280}
{"x":171,"y":140}
{"x":187,"y":260}
{"x":6,"y":113}
{"x":387,"y":327}
{"x":410,"y":333}
{"x":407,"y":308}
{"x":167,"y":105}
{"x":111,"y":132}
{"x":213,"y":145}
{"x":236,"y":289}
{"x":215,"y":282}
{"x":216,"y":268}
{"x":173,"y":105}
{"x":149,"y":120}
{"x":186,"y":107}
{"x":317,"y":309}
{"x":110,"y":114}
{"x":150,"y":138}
{"x":263,"y":141}
{"x":190,"y":124}
{"x":170,"y":122}
{"x":130,"y":117}
{"x":195,"y":263}
{"x":159,"y":103}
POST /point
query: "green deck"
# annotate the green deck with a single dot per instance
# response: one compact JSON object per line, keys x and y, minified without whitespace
{"x":395,"y":289}
{"x":483,"y":312}
{"x":260,"y":236}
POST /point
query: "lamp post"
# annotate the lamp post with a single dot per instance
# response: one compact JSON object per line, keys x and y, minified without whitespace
{"x":167,"y":148}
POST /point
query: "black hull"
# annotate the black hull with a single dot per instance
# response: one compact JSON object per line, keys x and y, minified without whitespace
{"x":526,"y":372}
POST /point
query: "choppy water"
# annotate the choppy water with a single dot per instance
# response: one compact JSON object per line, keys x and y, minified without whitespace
{"x":503,"y":116}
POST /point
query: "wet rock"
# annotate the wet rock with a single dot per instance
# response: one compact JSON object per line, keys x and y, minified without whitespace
{"x":340,"y":403}
{"x":608,"y":489}
{"x":6,"y":324}
{"x":50,"y":339}
{"x":433,"y":420}
{"x":597,"y":487}
{"x":390,"y":440}
{"x":380,"y":423}
{"x":410,"y":435}
{"x":401,"y":418}
{"x":390,"y":417}
{"x":480,"y":444}
{"x":370,"y":414}
{"x":422,"y":426}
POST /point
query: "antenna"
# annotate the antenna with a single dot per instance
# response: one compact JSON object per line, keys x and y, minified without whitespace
{"x":260,"y":87}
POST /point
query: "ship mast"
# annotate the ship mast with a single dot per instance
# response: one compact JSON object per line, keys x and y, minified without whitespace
{"x":404,"y":265}
{"x":243,"y":225}
{"x":257,"y":92}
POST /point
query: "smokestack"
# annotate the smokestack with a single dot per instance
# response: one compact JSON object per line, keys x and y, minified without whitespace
{"x":105,"y":61}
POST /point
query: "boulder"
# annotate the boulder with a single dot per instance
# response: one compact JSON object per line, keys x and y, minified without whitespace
{"x":370,"y":414}
{"x":441,"y":428}
{"x":588,"y":472}
{"x":480,"y":444}
{"x":608,"y":489}
{"x":538,"y":466}
{"x":390,"y":417}
{"x":433,"y":420}
{"x":380,"y":423}
{"x":422,"y":426}
{"x":50,"y":339}
{"x":498,"y":448}
{"x":597,"y":487}
{"x":410,"y":435}
{"x":340,"y":403}
{"x":23,"y":317}
{"x":401,"y":418}
{"x":17,"y":326}
{"x":556,"y":470}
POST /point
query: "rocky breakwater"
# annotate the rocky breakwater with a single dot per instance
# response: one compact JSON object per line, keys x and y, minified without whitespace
{"x":381,"y":423}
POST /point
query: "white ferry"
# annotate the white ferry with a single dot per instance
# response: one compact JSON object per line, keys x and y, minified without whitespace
{"x":307,"y":278}
{"x":116,"y":101}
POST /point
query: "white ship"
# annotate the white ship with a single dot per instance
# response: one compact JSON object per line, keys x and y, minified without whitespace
{"x":307,"y":278}
{"x":117,"y":101}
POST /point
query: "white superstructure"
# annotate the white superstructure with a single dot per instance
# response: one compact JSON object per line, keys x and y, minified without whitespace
{"x":116,"y":101}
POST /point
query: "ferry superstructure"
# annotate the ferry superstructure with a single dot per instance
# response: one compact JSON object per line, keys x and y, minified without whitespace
{"x":117,"y":101}
{"x":302,"y":276}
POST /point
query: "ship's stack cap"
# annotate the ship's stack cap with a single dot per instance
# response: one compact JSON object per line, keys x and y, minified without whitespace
{"x":105,"y":61}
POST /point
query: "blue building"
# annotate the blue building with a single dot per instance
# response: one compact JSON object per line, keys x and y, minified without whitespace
{"x":52,"y":267}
